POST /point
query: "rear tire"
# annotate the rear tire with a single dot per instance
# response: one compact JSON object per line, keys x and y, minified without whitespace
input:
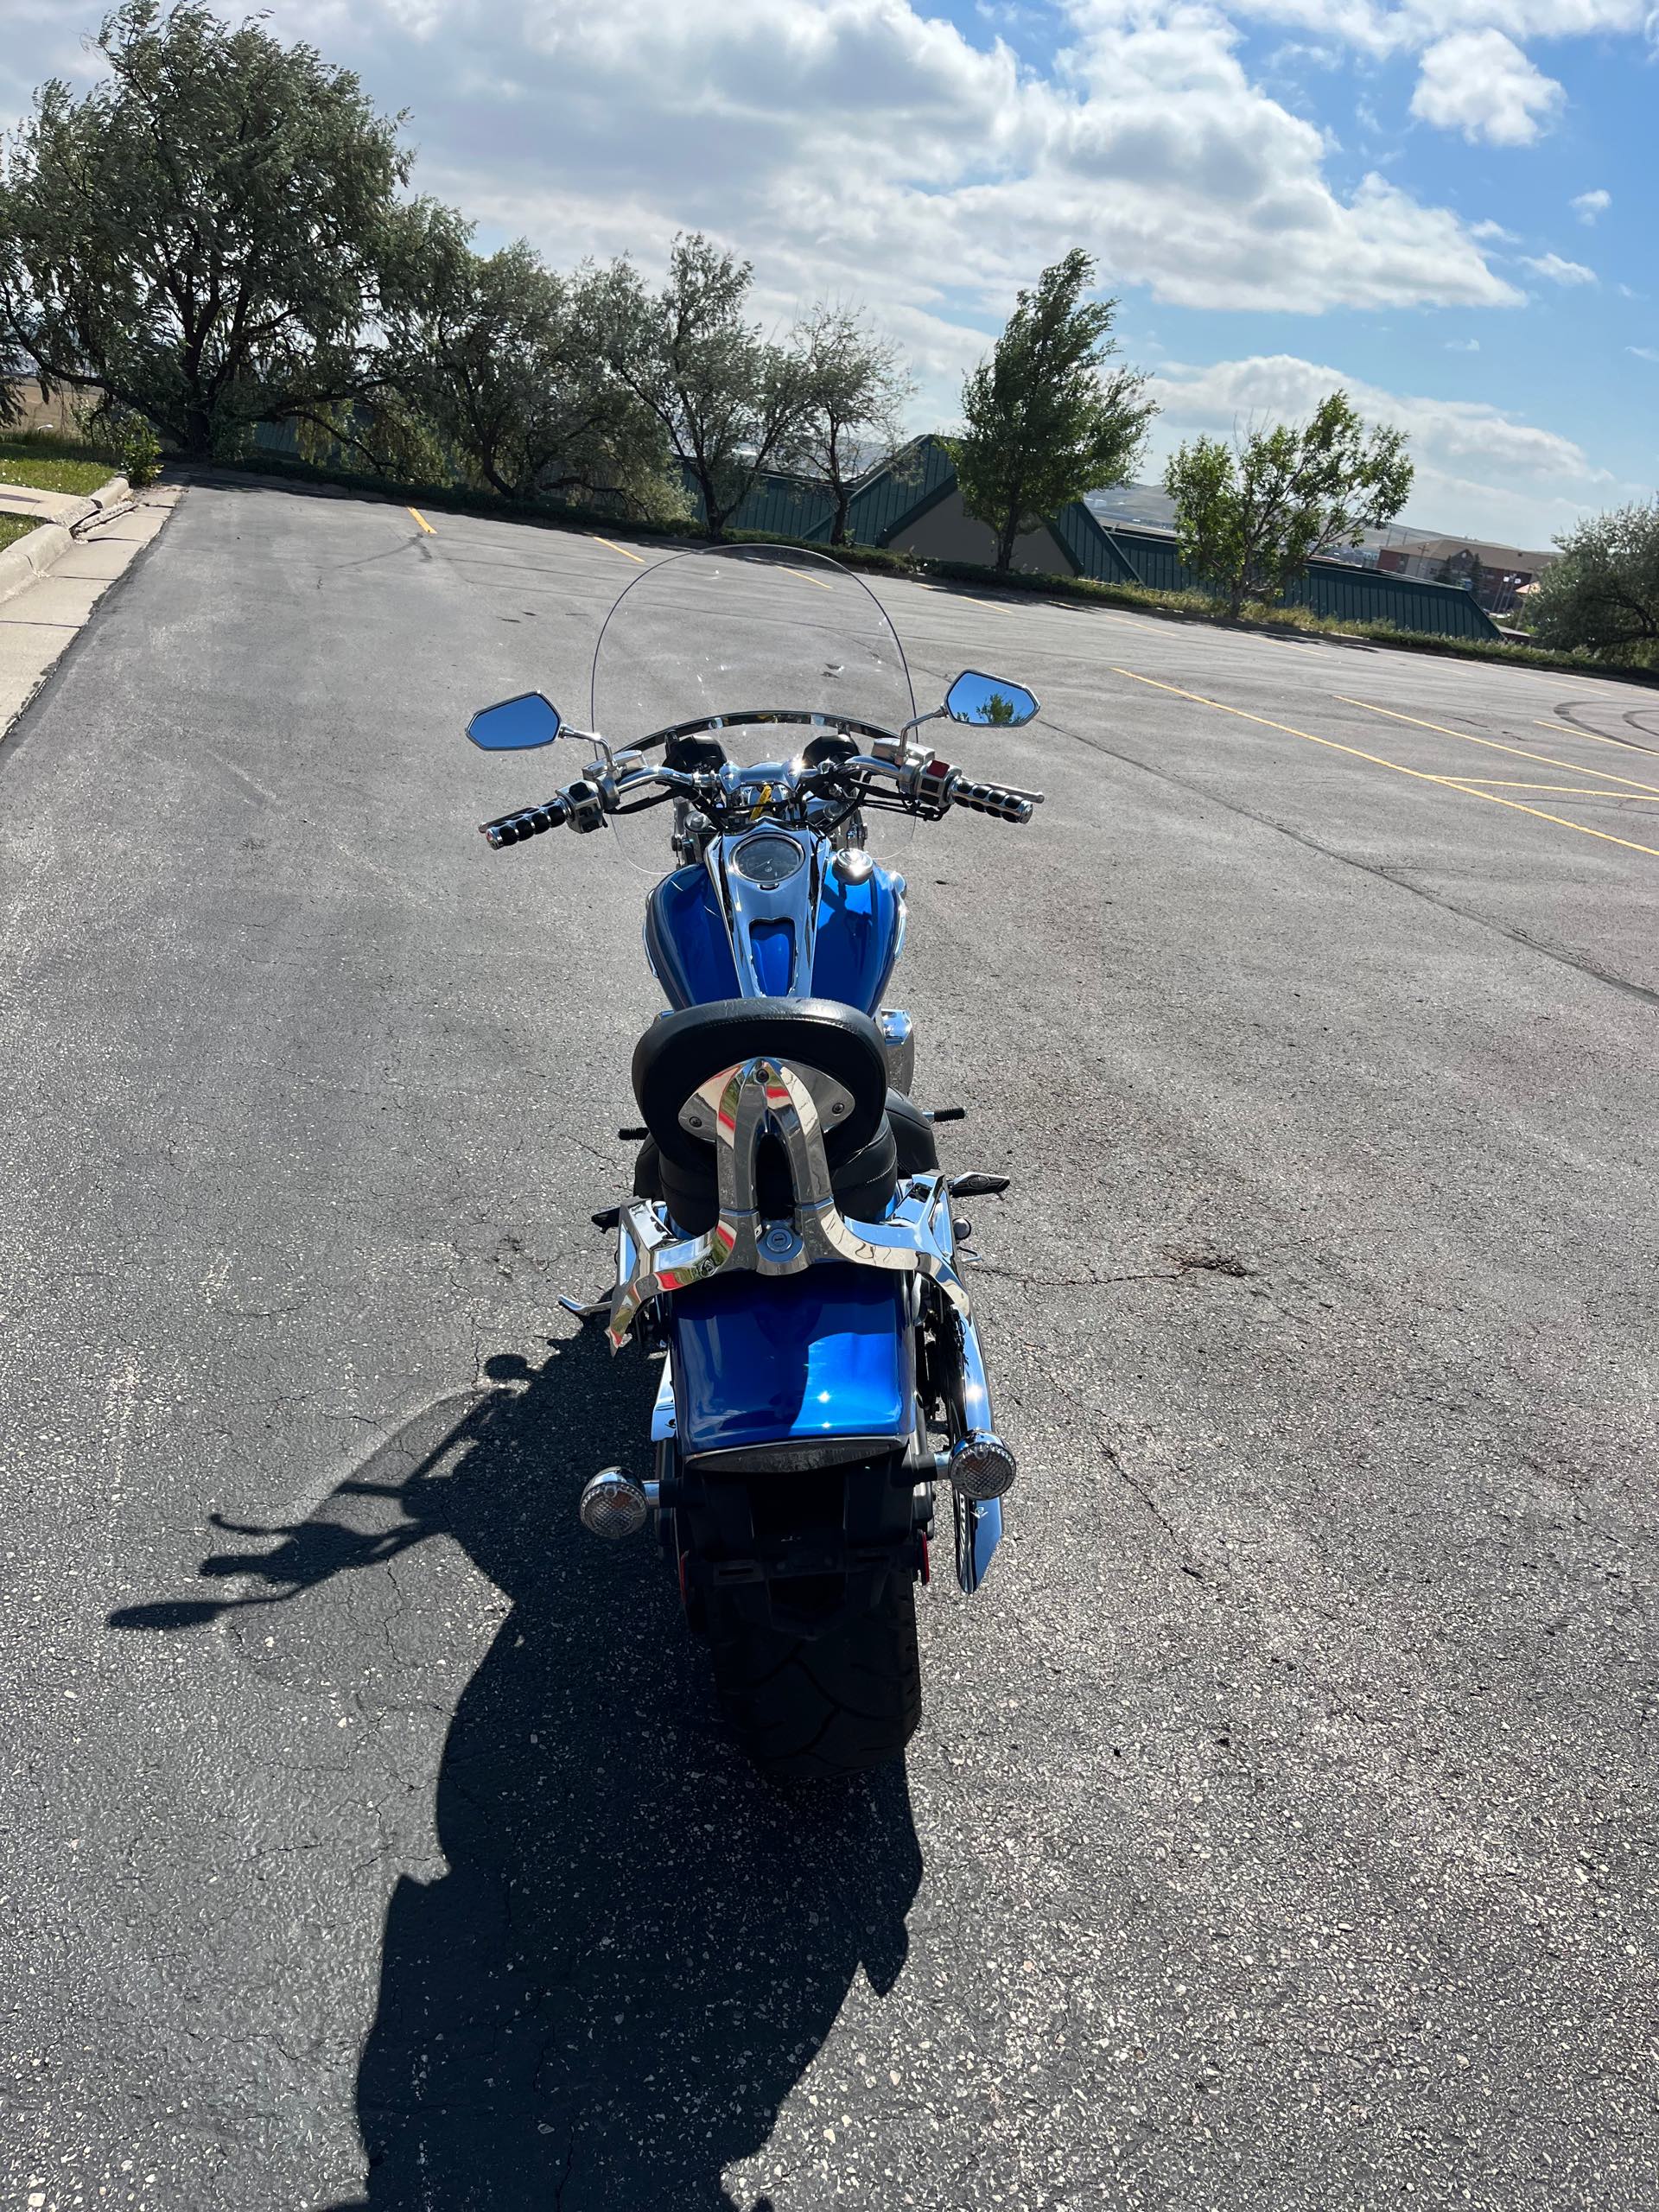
{"x":837,"y":1703}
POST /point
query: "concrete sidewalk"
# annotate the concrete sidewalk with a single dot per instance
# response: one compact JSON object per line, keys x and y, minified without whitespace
{"x":69,"y":509}
{"x":38,"y":622}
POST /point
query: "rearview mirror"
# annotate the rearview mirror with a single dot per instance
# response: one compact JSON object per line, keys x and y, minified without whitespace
{"x":515,"y":725}
{"x":987,"y":699}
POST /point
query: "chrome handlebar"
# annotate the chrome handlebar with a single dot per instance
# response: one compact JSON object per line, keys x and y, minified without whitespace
{"x":928,"y":787}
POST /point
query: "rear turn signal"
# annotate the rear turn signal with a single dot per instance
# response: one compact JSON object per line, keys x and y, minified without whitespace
{"x":614,"y":1504}
{"x":982,"y":1466}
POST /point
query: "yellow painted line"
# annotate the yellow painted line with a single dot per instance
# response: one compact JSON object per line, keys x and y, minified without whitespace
{"x":806,"y":579}
{"x":968,"y":599}
{"x":423,"y":521}
{"x":1418,"y":775}
{"x":638,"y":559}
{"x":1578,"y":790}
{"x":1546,"y":759}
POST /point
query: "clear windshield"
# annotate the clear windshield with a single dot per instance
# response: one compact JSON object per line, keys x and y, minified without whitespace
{"x":738,"y":629}
{"x":745,"y":630}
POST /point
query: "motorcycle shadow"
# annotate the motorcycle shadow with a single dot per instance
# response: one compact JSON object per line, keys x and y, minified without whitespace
{"x":639,"y":1946}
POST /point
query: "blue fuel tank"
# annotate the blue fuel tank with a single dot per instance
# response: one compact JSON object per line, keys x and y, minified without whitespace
{"x":860,"y":926}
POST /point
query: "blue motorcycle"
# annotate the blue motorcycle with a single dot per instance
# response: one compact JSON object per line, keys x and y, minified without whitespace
{"x":792,"y":1252}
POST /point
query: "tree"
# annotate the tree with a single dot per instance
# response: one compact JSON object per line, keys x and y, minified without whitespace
{"x":1251,"y":515}
{"x":509,"y":362}
{"x":853,"y":394}
{"x":1046,"y":419}
{"x":727,"y":401}
{"x":204,"y":236}
{"x":1602,"y":593}
{"x":13,"y":369}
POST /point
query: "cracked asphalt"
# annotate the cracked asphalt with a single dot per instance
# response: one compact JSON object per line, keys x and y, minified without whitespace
{"x":1281,"y":1829}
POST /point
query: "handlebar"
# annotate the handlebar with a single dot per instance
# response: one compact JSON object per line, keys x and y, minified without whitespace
{"x":930,"y":790}
{"x":527,"y":822}
{"x":992,"y":798}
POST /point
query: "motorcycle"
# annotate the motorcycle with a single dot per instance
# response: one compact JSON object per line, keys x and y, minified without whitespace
{"x":792,"y":1251}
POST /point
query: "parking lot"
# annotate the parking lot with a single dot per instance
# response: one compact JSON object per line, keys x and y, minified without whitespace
{"x":1280,"y":1831}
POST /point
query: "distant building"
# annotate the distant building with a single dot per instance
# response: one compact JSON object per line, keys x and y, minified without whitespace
{"x":1356,"y":557}
{"x":1142,"y":506}
{"x":1494,"y":573}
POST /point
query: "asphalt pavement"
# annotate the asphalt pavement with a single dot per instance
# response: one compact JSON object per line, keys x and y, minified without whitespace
{"x":1281,"y":1830}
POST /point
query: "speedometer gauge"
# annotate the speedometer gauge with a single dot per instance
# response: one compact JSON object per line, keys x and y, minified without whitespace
{"x":768,"y":860}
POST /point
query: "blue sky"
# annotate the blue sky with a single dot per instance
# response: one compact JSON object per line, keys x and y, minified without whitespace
{"x":1286,"y":195}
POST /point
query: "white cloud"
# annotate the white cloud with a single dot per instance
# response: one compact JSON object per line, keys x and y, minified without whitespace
{"x":868,"y":147}
{"x":1559,"y":271}
{"x":1462,"y":344}
{"x":1480,"y":83}
{"x":1644,"y":353}
{"x":1589,"y":205}
{"x":1479,"y":468}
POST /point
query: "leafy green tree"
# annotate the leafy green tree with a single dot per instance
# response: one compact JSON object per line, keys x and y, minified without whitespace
{"x":510,"y":364}
{"x":1046,"y":419}
{"x":1250,"y":516}
{"x":382,"y":431}
{"x":206,"y":235}
{"x":853,"y":395}
{"x":729,"y":401}
{"x":1602,"y":593}
{"x":13,"y":369}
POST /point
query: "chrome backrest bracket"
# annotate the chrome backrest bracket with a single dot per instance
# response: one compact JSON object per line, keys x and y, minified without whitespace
{"x":917,"y":1236}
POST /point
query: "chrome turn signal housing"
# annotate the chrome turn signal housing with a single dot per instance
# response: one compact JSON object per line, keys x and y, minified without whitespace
{"x":614,"y":1504}
{"x":982,"y":1466}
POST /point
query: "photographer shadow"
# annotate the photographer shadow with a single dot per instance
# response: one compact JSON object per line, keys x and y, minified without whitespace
{"x":639,"y":1946}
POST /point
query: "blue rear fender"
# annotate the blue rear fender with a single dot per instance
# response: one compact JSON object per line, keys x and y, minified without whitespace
{"x":816,"y":1357}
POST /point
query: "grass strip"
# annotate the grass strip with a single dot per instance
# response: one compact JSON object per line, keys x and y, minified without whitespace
{"x":53,"y":465}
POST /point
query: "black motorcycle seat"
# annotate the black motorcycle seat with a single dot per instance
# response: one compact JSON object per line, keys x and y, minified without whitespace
{"x":677,"y":1055}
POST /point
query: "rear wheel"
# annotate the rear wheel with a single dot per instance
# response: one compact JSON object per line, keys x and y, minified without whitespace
{"x":839,"y":1702}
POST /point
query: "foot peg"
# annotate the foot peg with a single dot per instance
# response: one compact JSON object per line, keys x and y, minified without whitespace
{"x":597,"y":1309}
{"x":979,"y":1186}
{"x":947,"y":1114}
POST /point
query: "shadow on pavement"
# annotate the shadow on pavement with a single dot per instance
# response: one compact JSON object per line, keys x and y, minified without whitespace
{"x":639,"y":1946}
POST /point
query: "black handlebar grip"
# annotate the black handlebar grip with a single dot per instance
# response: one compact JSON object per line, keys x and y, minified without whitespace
{"x":527,"y":822}
{"x":991,"y":798}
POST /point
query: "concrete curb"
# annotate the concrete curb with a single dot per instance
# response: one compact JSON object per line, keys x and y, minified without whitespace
{"x":115,"y":493}
{"x":22,"y":565}
{"x":44,"y":546}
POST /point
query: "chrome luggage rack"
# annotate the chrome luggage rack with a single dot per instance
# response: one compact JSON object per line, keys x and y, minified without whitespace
{"x":917,"y":1236}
